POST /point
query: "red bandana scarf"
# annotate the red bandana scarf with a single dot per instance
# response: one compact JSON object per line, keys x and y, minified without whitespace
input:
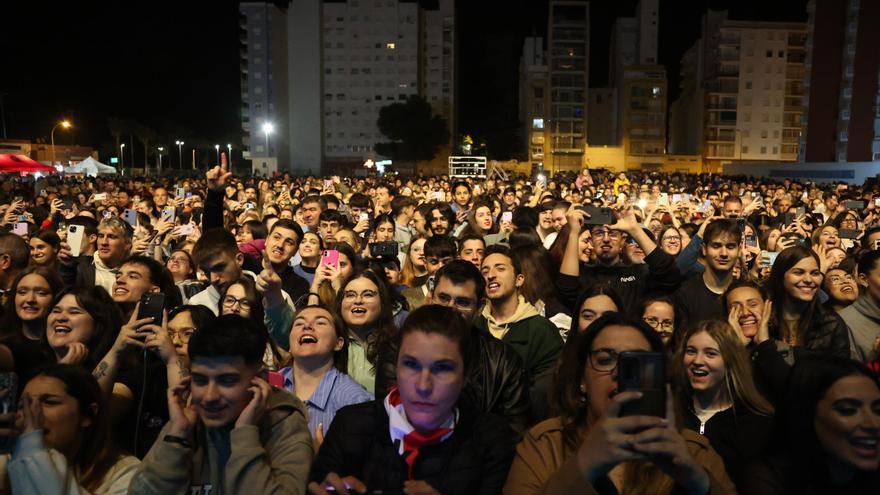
{"x":405,"y":437}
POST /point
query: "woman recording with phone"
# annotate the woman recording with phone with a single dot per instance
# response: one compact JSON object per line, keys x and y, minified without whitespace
{"x":592,"y":447}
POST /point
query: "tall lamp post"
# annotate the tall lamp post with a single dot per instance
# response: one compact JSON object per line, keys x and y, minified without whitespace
{"x":179,"y":154}
{"x":217,"y":149}
{"x":229,"y":155}
{"x":268,"y":128}
{"x":161,"y":149}
{"x":65,"y":124}
{"x":122,"y":157}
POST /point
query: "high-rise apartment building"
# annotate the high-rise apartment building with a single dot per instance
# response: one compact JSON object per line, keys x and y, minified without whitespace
{"x":263,"y":81}
{"x":842,"y":100}
{"x":533,"y":95}
{"x":344,"y":61}
{"x":568,"y":52}
{"x":750,"y":83}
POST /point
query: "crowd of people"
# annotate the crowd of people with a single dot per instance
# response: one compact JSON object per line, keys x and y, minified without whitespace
{"x":598,"y":332}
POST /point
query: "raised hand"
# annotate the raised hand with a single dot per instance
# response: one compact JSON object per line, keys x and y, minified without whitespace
{"x":218,"y":175}
{"x":257,"y":406}
{"x":610,"y":440}
{"x":182,"y":414}
{"x":269,"y":283}
{"x":131,"y":335}
{"x":666,"y":448}
{"x":77,"y":353}
{"x":159,"y":341}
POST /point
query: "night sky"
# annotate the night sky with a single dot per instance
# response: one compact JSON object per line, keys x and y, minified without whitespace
{"x":175,"y":66}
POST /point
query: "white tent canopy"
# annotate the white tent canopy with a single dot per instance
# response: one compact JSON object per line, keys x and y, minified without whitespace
{"x":90,"y":167}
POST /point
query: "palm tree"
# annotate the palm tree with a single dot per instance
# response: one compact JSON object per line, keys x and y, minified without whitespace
{"x":145,"y":135}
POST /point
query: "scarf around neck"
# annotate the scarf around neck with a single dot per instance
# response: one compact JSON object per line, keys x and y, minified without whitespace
{"x":405,"y":437}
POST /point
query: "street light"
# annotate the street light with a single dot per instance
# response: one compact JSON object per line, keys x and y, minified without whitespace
{"x":65,"y":124}
{"x":217,"y":149}
{"x":179,"y":153}
{"x":229,"y":155}
{"x":122,"y":157}
{"x":268,"y":128}
{"x":161,"y":149}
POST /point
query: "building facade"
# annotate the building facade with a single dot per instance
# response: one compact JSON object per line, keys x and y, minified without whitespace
{"x":533,"y":95}
{"x":342,"y":62}
{"x":568,"y":57}
{"x":842,"y":98}
{"x":748,"y":78}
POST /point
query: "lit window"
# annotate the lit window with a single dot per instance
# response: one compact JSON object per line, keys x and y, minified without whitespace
{"x":538,"y":123}
{"x":390,"y":46}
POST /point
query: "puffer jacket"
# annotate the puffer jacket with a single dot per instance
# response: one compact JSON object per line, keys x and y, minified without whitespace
{"x":495,"y":384}
{"x":473,"y":460}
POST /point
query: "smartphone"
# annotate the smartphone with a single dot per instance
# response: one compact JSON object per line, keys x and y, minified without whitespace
{"x":130,"y":216}
{"x":276,"y":379}
{"x":790,"y":218}
{"x":507,"y":216}
{"x":101,"y":197}
{"x":664,"y":199}
{"x":800,"y":211}
{"x":855,"y":205}
{"x":877,"y":245}
{"x":187,"y":195}
{"x":20,"y":229}
{"x":74,"y":238}
{"x":168,"y":213}
{"x":598,"y":215}
{"x":152,"y":304}
{"x":438,"y":195}
{"x":751,"y":241}
{"x":848,"y":233}
{"x":676,"y":198}
{"x":9,"y":383}
{"x":643,"y":372}
{"x":181,"y":192}
{"x":328,"y":183}
{"x":877,"y":202}
{"x":364,"y":216}
{"x":380,"y":249}
{"x":185,"y":230}
{"x":249,"y":206}
{"x":330,"y":257}
{"x":770,"y":256}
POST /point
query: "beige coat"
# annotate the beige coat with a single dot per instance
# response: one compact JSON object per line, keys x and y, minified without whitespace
{"x":543,"y":465}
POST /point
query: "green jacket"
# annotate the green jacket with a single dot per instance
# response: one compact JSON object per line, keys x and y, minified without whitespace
{"x":535,"y":338}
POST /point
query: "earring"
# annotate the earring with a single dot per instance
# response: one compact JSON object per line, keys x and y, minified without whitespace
{"x":583,"y":397}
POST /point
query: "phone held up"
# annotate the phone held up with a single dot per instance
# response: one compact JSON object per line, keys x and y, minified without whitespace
{"x":643,"y":372}
{"x":152,"y":305}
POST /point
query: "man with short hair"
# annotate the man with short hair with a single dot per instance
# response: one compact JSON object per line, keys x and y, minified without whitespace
{"x":461,"y":197}
{"x":329,"y":223}
{"x":138,"y":275}
{"x":216,"y":254}
{"x":229,"y":430}
{"x":14,"y":257}
{"x":420,"y":219}
{"x":511,"y":319}
{"x":402,"y":209}
{"x":471,"y":249}
{"x":360,"y":210}
{"x":732,"y":207}
{"x":863,"y":316}
{"x":384,"y":194}
{"x":699,"y":298}
{"x":114,"y":240}
{"x":546,"y":231}
{"x":311,"y":210}
{"x":557,"y":215}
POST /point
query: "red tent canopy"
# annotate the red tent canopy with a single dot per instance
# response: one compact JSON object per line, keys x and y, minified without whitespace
{"x":21,"y":163}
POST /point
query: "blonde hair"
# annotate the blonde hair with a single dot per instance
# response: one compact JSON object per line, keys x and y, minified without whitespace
{"x":738,"y":376}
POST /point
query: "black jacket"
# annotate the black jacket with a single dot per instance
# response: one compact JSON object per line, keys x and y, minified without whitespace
{"x":781,"y":475}
{"x":632,"y":282}
{"x":737,"y":434}
{"x":474,"y":460}
{"x":80,"y":271}
{"x":496,"y":384}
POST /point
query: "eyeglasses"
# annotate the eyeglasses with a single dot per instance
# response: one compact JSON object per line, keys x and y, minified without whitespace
{"x":230,"y":302}
{"x":611,"y":234}
{"x":604,"y":360}
{"x":351,"y":295}
{"x":655,"y":323}
{"x":672,"y":238}
{"x":183,"y":335}
{"x":839,"y":279}
{"x":459,"y":302}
